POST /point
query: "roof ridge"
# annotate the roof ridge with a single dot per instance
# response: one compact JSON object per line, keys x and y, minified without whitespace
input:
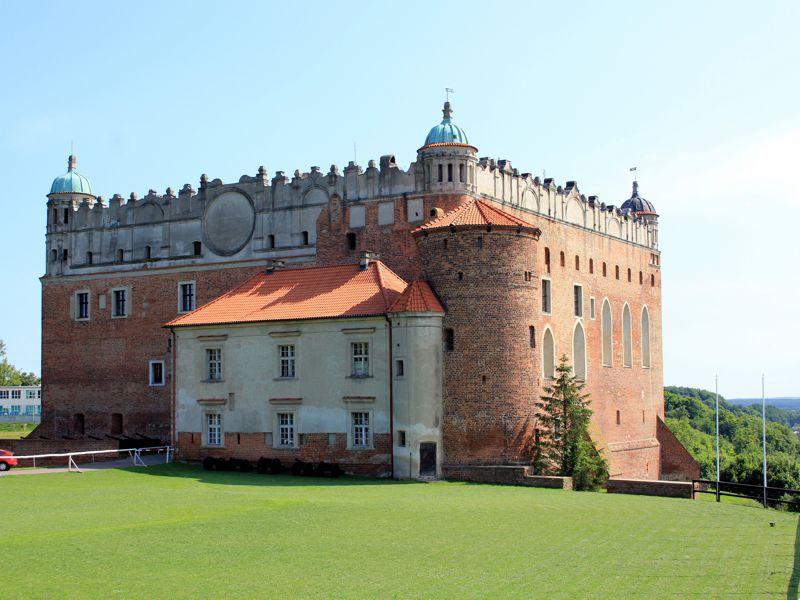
{"x":378,"y":265}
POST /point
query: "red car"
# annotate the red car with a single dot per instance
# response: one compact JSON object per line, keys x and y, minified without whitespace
{"x":7,"y":460}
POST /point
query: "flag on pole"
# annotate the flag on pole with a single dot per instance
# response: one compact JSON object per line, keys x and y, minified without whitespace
{"x":447,"y":92}
{"x":632,"y":169}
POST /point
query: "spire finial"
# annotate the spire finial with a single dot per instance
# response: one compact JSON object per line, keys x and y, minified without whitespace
{"x":72,"y":161}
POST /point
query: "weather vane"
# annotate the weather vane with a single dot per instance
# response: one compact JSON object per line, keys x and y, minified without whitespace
{"x":447,"y":92}
{"x":633,"y":170}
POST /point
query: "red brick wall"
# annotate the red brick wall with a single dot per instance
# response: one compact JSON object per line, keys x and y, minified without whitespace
{"x":490,"y":377}
{"x":101,"y":366}
{"x":315,"y":448}
{"x":676,"y":462}
{"x":393,"y":243}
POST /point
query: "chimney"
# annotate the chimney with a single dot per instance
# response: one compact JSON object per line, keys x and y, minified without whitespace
{"x":365,"y":258}
{"x":272,"y":265}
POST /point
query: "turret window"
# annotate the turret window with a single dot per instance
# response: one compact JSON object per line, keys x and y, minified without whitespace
{"x":66,"y":216}
{"x":461,"y":173}
{"x":441,"y":173}
{"x":449,"y":171}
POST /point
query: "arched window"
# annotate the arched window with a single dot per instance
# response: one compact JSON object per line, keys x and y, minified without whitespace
{"x":645,"y":338}
{"x":608,"y":341}
{"x":548,"y":355}
{"x":627,"y":338}
{"x":579,"y":352}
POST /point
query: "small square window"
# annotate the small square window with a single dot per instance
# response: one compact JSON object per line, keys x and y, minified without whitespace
{"x":156,"y":372}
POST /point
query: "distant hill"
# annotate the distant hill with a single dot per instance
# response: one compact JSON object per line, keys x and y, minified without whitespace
{"x":781,"y":402}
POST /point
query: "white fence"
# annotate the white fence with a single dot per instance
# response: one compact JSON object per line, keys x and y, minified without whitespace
{"x":135,"y":454}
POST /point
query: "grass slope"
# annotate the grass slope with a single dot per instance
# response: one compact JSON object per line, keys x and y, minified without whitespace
{"x":175,"y":531}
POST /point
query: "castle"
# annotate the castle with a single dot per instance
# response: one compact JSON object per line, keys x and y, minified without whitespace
{"x":487,"y":276}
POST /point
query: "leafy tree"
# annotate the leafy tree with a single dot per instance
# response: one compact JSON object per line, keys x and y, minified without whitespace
{"x":565,"y":446}
{"x":10,"y":375}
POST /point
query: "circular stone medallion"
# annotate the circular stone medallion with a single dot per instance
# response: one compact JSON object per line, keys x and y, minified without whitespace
{"x":228,"y":223}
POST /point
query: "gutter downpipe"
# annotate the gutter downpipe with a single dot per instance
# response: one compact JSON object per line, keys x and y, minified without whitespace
{"x":174,"y":403}
{"x":391,"y":395}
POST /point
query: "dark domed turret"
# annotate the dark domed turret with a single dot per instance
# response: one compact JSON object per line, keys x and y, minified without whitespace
{"x":638,"y":205}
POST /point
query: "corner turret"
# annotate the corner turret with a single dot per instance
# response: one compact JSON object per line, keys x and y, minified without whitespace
{"x":447,"y":158}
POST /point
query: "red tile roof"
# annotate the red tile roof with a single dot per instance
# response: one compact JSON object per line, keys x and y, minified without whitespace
{"x":479,"y":213}
{"x":303,"y":293}
{"x":417,"y":297}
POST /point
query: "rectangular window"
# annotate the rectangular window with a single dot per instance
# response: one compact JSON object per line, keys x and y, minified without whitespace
{"x":37,"y":411}
{"x":286,"y":437}
{"x":449,"y":340}
{"x":16,"y":394}
{"x":286,"y":360}
{"x":120,"y":303}
{"x":401,"y":438}
{"x":360,"y":356}
{"x":546,"y":296}
{"x":591,"y":308}
{"x":399,"y":368}
{"x":29,"y":410}
{"x":15,"y":409}
{"x":156,"y":372}
{"x":214,"y":364}
{"x":4,"y":394}
{"x":578,"y":293}
{"x":213,"y":429}
{"x":82,"y":305}
{"x":186,"y":302}
{"x":361,"y":432}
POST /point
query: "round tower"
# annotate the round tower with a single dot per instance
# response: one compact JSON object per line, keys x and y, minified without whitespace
{"x":481,"y":261}
{"x":447,"y":158}
{"x":66,"y":194}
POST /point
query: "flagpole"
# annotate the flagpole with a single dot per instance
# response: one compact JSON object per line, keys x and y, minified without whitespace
{"x":716,"y":396}
{"x":764,"y":436}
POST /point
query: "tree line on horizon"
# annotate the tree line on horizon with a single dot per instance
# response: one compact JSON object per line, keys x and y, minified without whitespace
{"x":690,"y":415}
{"x":10,"y":375}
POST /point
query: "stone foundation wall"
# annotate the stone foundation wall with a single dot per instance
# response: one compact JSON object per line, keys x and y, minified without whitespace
{"x":646,"y":487}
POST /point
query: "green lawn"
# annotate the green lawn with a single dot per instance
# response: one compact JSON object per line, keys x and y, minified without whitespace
{"x":15,"y":431}
{"x":176,"y":531}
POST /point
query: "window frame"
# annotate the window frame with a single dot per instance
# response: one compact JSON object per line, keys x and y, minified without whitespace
{"x":548,"y":285}
{"x":213,"y":376}
{"x":360,"y":358}
{"x":368,"y":443}
{"x":208,"y":441}
{"x":288,"y":360}
{"x":182,"y":296}
{"x":78,"y":304}
{"x":151,"y":379}
{"x":126,"y":302}
{"x":277,"y":438}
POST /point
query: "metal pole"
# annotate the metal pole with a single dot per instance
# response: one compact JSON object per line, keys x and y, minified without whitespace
{"x":716,"y":396}
{"x":764,"y":436}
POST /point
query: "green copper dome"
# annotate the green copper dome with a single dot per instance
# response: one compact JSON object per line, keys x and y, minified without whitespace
{"x":71,"y":182}
{"x":447,"y":132}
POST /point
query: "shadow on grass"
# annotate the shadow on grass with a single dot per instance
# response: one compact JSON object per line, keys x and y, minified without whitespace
{"x":196,"y":472}
{"x":791,"y":593}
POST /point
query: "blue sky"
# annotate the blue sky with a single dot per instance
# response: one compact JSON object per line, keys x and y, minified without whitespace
{"x":701,"y":97}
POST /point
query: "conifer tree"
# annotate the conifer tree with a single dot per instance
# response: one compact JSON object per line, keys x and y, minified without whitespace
{"x":565,"y":446}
